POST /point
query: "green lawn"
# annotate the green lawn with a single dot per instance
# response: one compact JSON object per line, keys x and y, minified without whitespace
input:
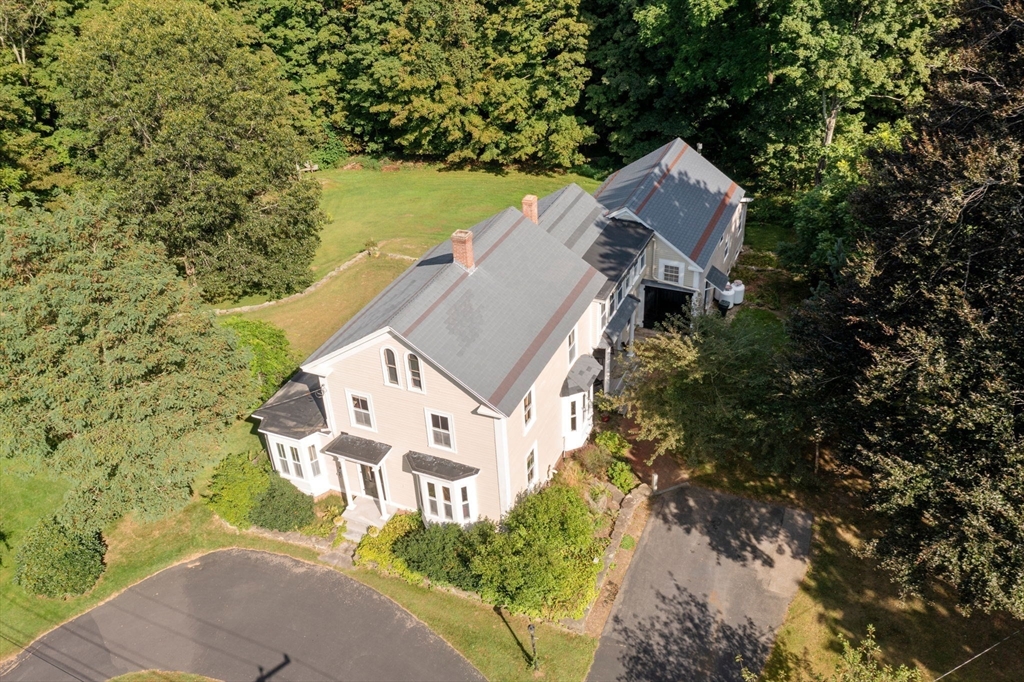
{"x":497,"y":644}
{"x":416,"y":207}
{"x":309,"y":320}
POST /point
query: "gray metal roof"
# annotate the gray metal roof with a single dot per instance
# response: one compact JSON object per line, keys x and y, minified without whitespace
{"x":717,"y":278}
{"x":569,"y":216}
{"x":359,"y":449}
{"x":296,"y":410}
{"x":679,"y":194}
{"x":620,"y":320}
{"x":439,"y":467}
{"x":581,"y":375}
{"x":496,"y":328}
{"x":617,"y":245}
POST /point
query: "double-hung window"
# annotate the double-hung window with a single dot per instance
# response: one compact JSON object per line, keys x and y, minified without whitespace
{"x":296,"y":464}
{"x":572,"y":415}
{"x":643,"y":261}
{"x":361,"y":411}
{"x":671,"y":273}
{"x":415,"y":374}
{"x":314,"y":461}
{"x":619,"y":293}
{"x":528,"y":409}
{"x":448,"y":502}
{"x":440,"y":431}
{"x":604,"y":315}
{"x":531,"y":468}
{"x":572,"y":346}
{"x":391,"y":367}
{"x":282,"y":460}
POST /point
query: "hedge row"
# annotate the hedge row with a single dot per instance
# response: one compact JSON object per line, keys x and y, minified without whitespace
{"x":540,"y":561}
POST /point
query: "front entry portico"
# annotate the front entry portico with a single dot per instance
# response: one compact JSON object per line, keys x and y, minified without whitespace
{"x":362,"y":459}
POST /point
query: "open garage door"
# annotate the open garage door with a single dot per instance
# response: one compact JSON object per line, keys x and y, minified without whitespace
{"x":660,"y":302}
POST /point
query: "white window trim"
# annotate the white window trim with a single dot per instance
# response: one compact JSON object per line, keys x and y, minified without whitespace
{"x":315,"y":458}
{"x":680,"y":267}
{"x":352,"y":413}
{"x":527,"y":425}
{"x":573,"y":345}
{"x":430,"y":428}
{"x":536,"y":467}
{"x":384,"y":367}
{"x":455,"y":486}
{"x":408,"y":374}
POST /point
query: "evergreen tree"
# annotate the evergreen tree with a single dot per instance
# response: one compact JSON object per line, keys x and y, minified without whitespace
{"x":110,"y":372}
{"x":188,"y":127}
{"x":914,"y":363}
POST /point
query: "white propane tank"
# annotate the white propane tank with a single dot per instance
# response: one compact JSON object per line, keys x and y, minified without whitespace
{"x":729,"y":296}
{"x":737,"y":291}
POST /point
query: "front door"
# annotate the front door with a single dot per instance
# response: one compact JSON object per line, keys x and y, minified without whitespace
{"x":369,"y":480}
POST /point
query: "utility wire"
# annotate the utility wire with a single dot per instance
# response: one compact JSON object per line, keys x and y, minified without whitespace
{"x":979,"y":655}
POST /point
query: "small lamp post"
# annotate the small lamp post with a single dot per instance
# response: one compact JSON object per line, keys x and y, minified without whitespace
{"x":533,"y":643}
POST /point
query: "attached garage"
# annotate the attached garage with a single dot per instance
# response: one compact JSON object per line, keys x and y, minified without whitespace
{"x":662,"y":300}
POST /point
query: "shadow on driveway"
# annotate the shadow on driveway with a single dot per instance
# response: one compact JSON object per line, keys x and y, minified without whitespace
{"x":711,"y":580}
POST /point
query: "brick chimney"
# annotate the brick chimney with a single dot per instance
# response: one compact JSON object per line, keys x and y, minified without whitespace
{"x":530,"y":207}
{"x":462,"y":249}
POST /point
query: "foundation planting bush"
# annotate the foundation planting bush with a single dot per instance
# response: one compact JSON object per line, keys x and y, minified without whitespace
{"x":377,"y":546}
{"x":621,"y":476}
{"x":239,"y":480}
{"x":55,"y":561}
{"x":444,"y":552}
{"x":612,"y":442}
{"x":542,"y":560}
{"x":282,"y":507}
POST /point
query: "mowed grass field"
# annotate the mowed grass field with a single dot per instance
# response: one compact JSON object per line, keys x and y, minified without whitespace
{"x":416,"y":207}
{"x":406,"y":211}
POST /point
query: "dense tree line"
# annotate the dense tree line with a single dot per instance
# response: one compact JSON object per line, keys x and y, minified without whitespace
{"x":908,"y":362}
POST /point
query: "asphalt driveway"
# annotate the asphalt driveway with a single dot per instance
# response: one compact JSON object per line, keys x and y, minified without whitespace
{"x":244,"y":615}
{"x":711,"y":580}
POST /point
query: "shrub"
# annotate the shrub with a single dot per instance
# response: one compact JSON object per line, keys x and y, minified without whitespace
{"x":378,"y":546}
{"x":612,"y":442}
{"x":595,"y":458}
{"x":271,"y":361}
{"x":236,"y":485}
{"x":628,"y":542}
{"x":542,"y":561}
{"x":444,"y":552}
{"x":55,"y":561}
{"x":282,"y":507}
{"x":621,"y":476}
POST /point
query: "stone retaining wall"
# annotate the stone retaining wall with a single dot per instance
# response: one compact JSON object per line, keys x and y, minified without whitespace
{"x":626,"y":511}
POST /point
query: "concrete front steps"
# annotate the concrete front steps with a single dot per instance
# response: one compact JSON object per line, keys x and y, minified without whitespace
{"x":359,"y":517}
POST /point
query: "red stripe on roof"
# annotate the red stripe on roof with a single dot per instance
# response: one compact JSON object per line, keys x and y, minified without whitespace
{"x":661,"y":179}
{"x":658,"y":163}
{"x":461,"y":278}
{"x":606,"y":183}
{"x":545,"y":333}
{"x":714,"y":221}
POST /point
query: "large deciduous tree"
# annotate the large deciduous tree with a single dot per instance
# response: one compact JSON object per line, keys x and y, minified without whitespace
{"x":110,"y":373}
{"x":188,"y":126}
{"x":765,"y":84}
{"x":915,"y":361}
{"x":710,"y":393}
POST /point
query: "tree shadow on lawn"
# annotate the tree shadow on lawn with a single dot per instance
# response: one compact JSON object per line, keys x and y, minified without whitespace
{"x":684,"y":640}
{"x":738,"y":529}
{"x":927,"y":630}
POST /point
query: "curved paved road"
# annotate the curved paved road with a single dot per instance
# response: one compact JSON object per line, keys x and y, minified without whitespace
{"x":244,"y":615}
